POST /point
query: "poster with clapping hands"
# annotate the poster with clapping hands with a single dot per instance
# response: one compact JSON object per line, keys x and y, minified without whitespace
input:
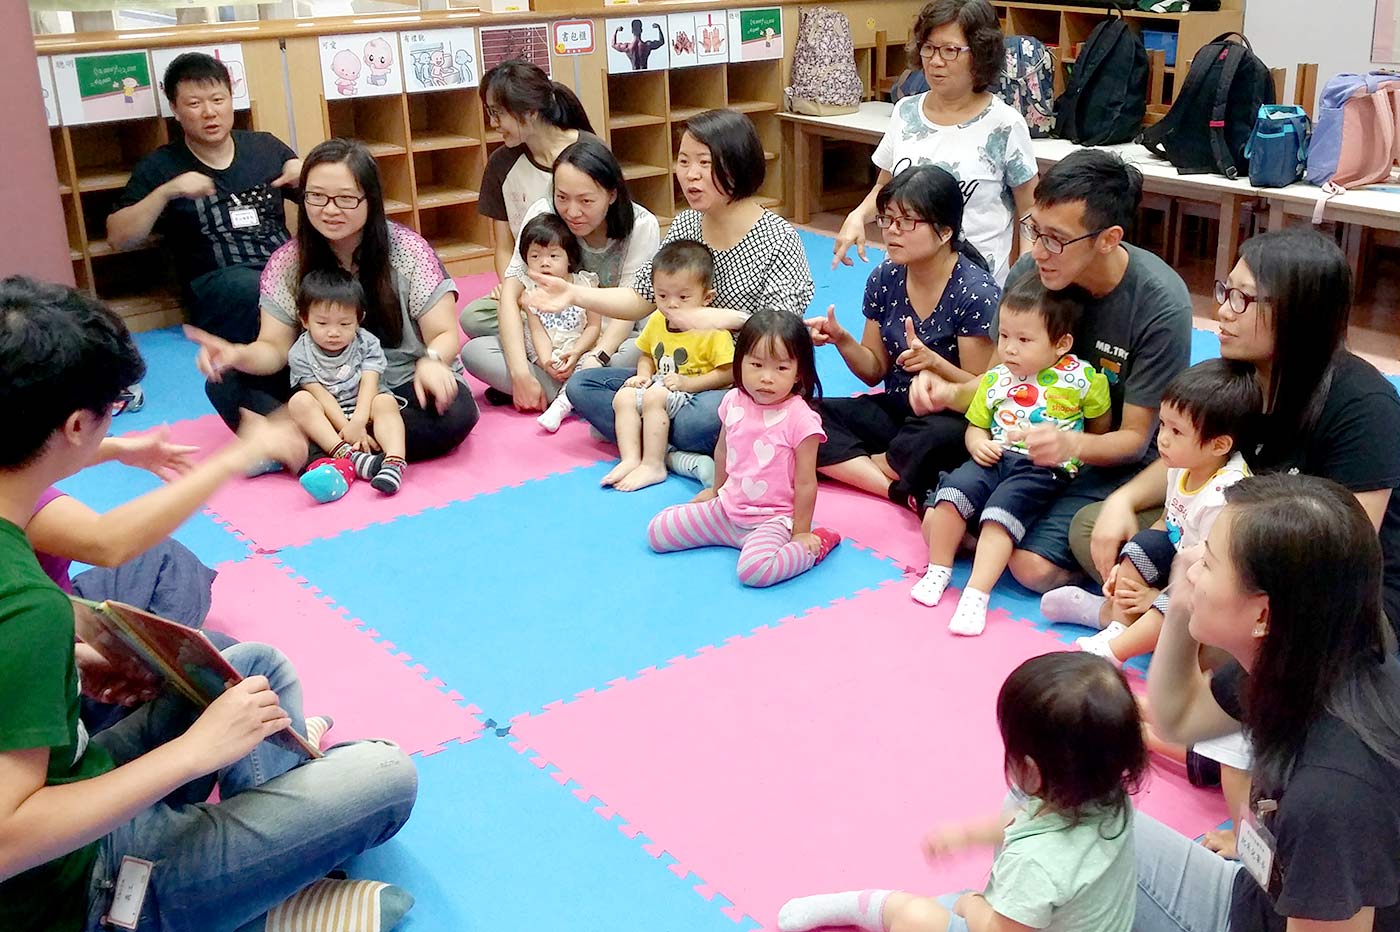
{"x":698,"y":38}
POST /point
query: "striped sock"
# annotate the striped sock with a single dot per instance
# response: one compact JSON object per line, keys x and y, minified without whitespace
{"x":366,"y":464}
{"x":390,"y":475}
{"x":342,"y":450}
{"x":859,"y":908}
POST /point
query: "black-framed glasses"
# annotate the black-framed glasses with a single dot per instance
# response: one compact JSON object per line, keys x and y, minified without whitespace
{"x":900,"y":224}
{"x":494,"y":113}
{"x":343,"y":201}
{"x":946,"y":52}
{"x":1051,"y":244}
{"x":1236,"y":300}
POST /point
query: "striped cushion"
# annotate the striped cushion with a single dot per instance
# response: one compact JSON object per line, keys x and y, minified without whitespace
{"x":341,"y":906}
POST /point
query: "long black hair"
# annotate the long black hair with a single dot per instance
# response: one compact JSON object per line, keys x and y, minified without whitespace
{"x":1074,"y":715}
{"x":934,"y":196}
{"x":383,"y":316}
{"x":1305,"y":287}
{"x":780,"y":329}
{"x":1308,"y":545}
{"x":521,"y":88}
{"x":592,"y":157}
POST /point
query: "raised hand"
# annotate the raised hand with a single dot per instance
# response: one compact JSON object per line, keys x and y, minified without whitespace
{"x":917,"y":357}
{"x":215,"y":355}
{"x":549,"y":293}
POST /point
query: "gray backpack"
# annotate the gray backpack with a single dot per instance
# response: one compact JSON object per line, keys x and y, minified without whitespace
{"x":824,"y":78}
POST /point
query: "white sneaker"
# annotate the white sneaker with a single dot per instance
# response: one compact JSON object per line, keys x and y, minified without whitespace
{"x":1098,"y":643}
{"x":554,"y":415}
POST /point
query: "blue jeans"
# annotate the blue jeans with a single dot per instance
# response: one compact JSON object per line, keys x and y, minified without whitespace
{"x":1182,"y":886}
{"x":281,"y":823}
{"x":695,"y":428}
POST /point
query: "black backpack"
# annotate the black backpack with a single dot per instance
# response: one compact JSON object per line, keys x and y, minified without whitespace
{"x":1106,"y":98}
{"x":1211,"y":119}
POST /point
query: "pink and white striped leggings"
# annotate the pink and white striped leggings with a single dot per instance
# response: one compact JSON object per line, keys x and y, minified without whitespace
{"x":767,"y":553}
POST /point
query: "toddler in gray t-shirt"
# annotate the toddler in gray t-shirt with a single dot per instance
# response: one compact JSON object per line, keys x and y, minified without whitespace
{"x":336,"y":367}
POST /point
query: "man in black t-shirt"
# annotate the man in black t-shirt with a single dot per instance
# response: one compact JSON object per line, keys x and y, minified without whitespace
{"x":217,"y":197}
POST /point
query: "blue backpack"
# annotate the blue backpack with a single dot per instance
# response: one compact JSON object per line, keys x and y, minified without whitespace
{"x":1278,"y":148}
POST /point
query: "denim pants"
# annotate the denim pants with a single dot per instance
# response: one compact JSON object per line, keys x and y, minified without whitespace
{"x":1182,"y":886}
{"x":281,"y":822}
{"x":695,"y":427}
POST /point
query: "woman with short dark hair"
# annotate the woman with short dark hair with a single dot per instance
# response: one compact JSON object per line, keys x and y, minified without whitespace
{"x":961,"y":125}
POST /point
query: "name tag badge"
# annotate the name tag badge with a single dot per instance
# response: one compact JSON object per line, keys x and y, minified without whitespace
{"x":1256,"y":848}
{"x":243,"y":217}
{"x":130,"y":893}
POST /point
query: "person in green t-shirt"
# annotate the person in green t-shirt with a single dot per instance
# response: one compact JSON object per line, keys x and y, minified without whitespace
{"x":75,"y":809}
{"x":1074,"y":753}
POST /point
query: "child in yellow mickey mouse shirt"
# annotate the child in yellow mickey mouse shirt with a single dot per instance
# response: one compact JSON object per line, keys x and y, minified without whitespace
{"x":1037,"y":382}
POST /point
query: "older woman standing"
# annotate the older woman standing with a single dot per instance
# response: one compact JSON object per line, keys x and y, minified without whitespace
{"x":411,"y":307}
{"x":960,"y":125}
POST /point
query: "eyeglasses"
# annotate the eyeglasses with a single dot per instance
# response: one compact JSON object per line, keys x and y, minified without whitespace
{"x":130,"y":399}
{"x":494,"y":113}
{"x":343,"y":201}
{"x":1237,"y":300}
{"x":1051,"y":244}
{"x":900,"y":224}
{"x":946,"y":52}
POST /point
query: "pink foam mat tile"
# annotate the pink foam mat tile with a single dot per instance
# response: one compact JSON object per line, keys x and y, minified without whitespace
{"x":812,"y":756}
{"x":370,"y":689}
{"x":505,"y":448}
{"x":874,"y":523}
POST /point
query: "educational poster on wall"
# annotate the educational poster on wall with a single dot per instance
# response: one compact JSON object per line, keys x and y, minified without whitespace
{"x":526,"y":43}
{"x":1385,"y":40}
{"x":362,"y":65}
{"x":698,"y":38}
{"x":102,"y":86}
{"x":756,"y":35}
{"x":434,"y":59}
{"x":637,"y":43}
{"x":232,"y":57}
{"x":46,"y":90}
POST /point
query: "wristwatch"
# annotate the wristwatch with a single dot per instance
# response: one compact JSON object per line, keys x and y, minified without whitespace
{"x":604,"y":357}
{"x":434,"y":355}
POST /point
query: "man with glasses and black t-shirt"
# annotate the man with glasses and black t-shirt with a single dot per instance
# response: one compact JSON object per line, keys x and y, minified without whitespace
{"x":1135,"y":328}
{"x":216,"y":195}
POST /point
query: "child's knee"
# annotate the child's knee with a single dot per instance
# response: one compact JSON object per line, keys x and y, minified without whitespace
{"x":654,"y":398}
{"x":302,"y":403}
{"x":1129,"y":571}
{"x":384,"y":406}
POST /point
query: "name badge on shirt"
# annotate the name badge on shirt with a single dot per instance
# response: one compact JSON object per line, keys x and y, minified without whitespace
{"x":1256,"y":847}
{"x":130,"y":893}
{"x":243,"y":217}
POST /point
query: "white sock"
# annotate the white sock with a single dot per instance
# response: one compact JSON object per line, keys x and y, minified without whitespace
{"x":929,"y":590}
{"x":1072,"y":604}
{"x":695,"y":466}
{"x":859,"y":908}
{"x":554,"y":415}
{"x":970,"y":619}
{"x":1098,"y":643}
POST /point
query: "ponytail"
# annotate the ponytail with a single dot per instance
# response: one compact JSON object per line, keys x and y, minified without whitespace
{"x":519,"y":87}
{"x":969,"y":252}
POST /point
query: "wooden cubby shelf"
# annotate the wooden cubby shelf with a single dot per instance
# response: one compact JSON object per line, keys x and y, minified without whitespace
{"x":436,"y":195}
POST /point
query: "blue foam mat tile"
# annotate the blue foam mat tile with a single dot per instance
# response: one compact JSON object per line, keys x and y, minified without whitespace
{"x":519,"y":615}
{"x":173,"y":386}
{"x":497,"y":843}
{"x":104,"y":487}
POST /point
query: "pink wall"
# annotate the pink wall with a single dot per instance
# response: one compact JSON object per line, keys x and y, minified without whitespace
{"x":35,"y":241}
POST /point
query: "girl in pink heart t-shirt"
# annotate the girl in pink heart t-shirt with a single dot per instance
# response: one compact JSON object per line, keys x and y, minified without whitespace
{"x":765,"y":461}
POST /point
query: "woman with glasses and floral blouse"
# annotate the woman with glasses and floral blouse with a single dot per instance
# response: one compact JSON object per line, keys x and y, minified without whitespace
{"x":929,"y":306}
{"x":961,"y":125}
{"x":411,"y":307}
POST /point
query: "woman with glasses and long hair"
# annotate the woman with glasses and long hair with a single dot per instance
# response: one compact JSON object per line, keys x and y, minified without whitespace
{"x":960,"y":124}
{"x":411,"y":307}
{"x":929,"y":306}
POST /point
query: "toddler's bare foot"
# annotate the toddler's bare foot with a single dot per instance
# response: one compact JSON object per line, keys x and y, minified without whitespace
{"x":641,"y":477}
{"x":619,"y":471}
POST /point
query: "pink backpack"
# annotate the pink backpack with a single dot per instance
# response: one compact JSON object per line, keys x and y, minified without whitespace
{"x":1357,"y":138}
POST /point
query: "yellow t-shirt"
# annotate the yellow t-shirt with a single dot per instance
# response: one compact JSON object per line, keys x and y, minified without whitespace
{"x":687,"y":352}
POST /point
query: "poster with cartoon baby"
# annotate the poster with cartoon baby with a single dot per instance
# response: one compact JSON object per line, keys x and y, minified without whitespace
{"x":438,"y":59}
{"x":360,"y":65}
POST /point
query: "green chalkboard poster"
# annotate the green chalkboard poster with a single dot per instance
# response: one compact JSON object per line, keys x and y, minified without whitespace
{"x":104,"y":86}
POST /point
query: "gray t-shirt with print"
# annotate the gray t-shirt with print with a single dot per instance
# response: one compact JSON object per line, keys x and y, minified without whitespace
{"x":338,"y":373}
